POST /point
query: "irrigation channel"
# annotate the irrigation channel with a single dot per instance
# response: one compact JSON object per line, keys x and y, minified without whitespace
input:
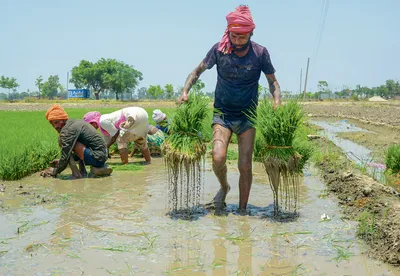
{"x":359,"y":154}
{"x":118,"y":226}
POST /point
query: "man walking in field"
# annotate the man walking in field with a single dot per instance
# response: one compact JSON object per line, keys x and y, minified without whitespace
{"x":80,"y":138}
{"x":240,"y":62}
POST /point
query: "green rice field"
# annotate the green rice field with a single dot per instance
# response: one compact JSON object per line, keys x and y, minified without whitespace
{"x":28,"y":142}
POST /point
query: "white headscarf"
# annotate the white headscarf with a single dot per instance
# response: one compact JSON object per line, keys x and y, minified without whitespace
{"x":158,"y":116}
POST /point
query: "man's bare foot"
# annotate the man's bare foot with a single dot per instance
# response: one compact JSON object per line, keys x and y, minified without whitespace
{"x":77,"y":175}
{"x":243,"y":212}
{"x":219,"y":200}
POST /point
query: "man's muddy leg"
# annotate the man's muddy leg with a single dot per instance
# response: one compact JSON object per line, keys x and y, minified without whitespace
{"x":134,"y":150}
{"x":221,"y":137}
{"x":124,"y":155}
{"x":82,"y":168}
{"x":246,"y":147}
{"x":79,"y":150}
{"x":75,"y":172}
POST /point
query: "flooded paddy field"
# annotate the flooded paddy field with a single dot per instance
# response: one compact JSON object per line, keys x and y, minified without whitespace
{"x":118,"y":226}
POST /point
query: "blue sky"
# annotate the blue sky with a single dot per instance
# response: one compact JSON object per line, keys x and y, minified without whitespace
{"x":165,"y":40}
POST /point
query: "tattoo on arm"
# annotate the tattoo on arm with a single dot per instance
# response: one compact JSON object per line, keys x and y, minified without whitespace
{"x":194,"y":76}
{"x":274,"y":87}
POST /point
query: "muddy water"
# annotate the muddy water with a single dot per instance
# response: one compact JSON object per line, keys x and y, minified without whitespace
{"x":355,"y":152}
{"x":118,"y":226}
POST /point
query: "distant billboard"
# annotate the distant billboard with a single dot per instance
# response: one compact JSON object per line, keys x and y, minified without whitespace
{"x":78,"y":93}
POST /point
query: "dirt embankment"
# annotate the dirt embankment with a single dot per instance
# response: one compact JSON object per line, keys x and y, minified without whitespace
{"x":372,"y":113}
{"x":374,"y":205}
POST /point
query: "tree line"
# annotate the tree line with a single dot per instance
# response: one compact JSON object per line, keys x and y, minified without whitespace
{"x":388,"y":90}
{"x":106,"y":78}
{"x":111,"y":78}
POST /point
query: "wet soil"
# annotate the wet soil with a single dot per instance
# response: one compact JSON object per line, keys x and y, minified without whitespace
{"x":382,"y":113}
{"x":374,"y":205}
{"x":118,"y":226}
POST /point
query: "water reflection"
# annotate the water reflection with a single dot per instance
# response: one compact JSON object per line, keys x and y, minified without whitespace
{"x":359,"y":154}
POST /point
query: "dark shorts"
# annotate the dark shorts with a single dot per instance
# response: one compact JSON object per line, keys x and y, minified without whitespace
{"x":89,"y":159}
{"x":236,"y":126}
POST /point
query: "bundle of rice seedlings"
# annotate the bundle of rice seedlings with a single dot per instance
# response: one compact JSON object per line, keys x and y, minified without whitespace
{"x":183,"y":151}
{"x":276,"y":149}
{"x":304,"y":147}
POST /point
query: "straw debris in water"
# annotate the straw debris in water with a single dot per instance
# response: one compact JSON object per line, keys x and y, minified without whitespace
{"x":183,"y":151}
{"x":277,"y":150}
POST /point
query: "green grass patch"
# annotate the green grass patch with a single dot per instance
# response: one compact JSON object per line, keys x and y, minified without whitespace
{"x":366,"y":227}
{"x":392,"y":158}
{"x":127,"y":167}
{"x":342,"y":254}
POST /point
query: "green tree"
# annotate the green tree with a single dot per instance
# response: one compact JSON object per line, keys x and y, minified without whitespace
{"x":198,"y":86}
{"x":169,"y":91}
{"x":90,"y":76}
{"x":358,"y":91}
{"x":142,"y":93}
{"x":62,"y":92}
{"x":287,"y":94}
{"x":323,"y":88}
{"x":9,"y":84}
{"x":4,"y":82}
{"x":39,"y":83}
{"x":382,"y":91}
{"x":51,"y":87}
{"x":24,"y":95}
{"x":263,"y":91}
{"x":105,"y":74}
{"x":178,"y":92}
{"x":367,"y":92}
{"x":393,"y":88}
{"x":155,"y":91}
{"x":120,"y":77}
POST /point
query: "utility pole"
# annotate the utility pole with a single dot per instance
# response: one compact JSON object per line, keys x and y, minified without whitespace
{"x":305,"y":82}
{"x":67,"y":80}
{"x":301,"y":76}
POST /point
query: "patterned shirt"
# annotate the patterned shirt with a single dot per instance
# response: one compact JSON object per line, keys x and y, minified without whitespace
{"x":236,"y":92}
